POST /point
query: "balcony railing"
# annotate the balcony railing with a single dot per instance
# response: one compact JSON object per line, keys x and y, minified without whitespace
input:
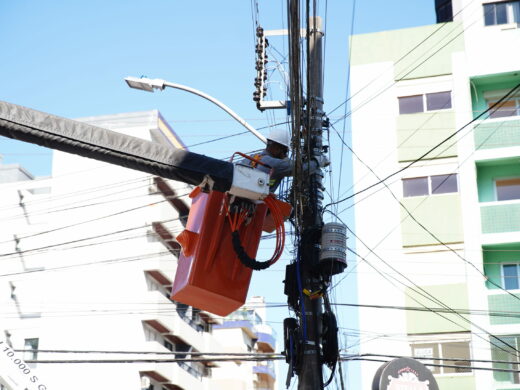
{"x":497,"y":133}
{"x":266,"y":342}
{"x":265,"y":369}
{"x":500,"y":217}
{"x":197,"y":372}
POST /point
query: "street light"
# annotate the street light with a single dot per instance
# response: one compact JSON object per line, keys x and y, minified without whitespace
{"x":149,"y":85}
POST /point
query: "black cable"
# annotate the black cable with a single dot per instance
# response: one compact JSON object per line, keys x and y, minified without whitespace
{"x":346,"y":359}
{"x":174,"y":360}
{"x":410,"y":71}
{"x":236,"y":134}
{"x":70,"y":194}
{"x":60,"y":210}
{"x":82,"y":222}
{"x":37,"y":250}
{"x":244,"y":258}
{"x":426,"y":229}
{"x":191,"y":353}
{"x":99,"y":262}
{"x":420,"y":291}
{"x":440,"y":358}
{"x":422,"y":157}
{"x":494,"y":313}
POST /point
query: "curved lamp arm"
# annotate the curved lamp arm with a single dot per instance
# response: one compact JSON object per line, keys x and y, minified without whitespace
{"x":149,"y":85}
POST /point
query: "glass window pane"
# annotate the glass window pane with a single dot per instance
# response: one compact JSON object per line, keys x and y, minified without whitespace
{"x":501,"y":351}
{"x":416,"y":186}
{"x":438,"y":101}
{"x":506,"y":108}
{"x":411,"y":104}
{"x":458,"y":350}
{"x":510,"y":272}
{"x":508,"y":189}
{"x":516,"y":11}
{"x":501,"y":11}
{"x":427,"y":351}
{"x":31,"y":347}
{"x":489,"y":14}
{"x":443,"y":184}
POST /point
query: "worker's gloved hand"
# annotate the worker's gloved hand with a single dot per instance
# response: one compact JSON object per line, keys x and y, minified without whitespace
{"x":322,"y":161}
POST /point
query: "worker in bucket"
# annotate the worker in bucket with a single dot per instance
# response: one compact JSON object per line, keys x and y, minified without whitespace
{"x":275,"y":155}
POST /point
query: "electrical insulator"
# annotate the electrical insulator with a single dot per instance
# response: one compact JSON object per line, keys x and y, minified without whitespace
{"x":333,"y":255}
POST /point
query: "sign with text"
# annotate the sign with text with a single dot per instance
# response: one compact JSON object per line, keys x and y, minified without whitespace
{"x":404,"y":374}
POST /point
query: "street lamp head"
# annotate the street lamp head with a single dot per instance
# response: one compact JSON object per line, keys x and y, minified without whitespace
{"x":144,"y":83}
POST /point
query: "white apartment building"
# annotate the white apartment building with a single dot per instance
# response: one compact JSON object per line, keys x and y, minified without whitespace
{"x":411,"y":90}
{"x":87,"y":259}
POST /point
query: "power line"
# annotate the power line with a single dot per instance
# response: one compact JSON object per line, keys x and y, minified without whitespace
{"x":236,"y":134}
{"x":39,"y":249}
{"x":429,"y":231}
{"x":65,"y":195}
{"x":181,"y":353}
{"x":362,"y":358}
{"x":490,"y":313}
{"x":163,"y":360}
{"x":494,"y":106}
{"x":90,"y":220}
{"x":410,"y":71}
{"x":420,"y":291}
{"x":59,"y":210}
{"x":98,"y":262}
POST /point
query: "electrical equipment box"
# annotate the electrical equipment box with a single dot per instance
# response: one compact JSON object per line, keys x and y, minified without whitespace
{"x":333,"y":254}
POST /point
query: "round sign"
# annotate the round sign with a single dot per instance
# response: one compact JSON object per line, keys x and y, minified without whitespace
{"x":404,"y":374}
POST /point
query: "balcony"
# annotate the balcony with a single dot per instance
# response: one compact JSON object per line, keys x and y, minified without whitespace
{"x":502,"y":302}
{"x":172,"y":320}
{"x":265,"y":373}
{"x":243,"y":319}
{"x":500,"y":221}
{"x":266,"y":336}
{"x":496,"y":133}
{"x":266,"y":343}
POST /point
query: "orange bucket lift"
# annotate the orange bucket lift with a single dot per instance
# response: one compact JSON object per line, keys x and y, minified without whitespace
{"x":219,"y":245}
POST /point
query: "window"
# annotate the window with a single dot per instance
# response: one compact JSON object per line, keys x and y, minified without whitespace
{"x":168,"y":345}
{"x":411,"y":104}
{"x":509,"y":107}
{"x":508,"y":189}
{"x":151,"y":334}
{"x":432,"y":101}
{"x":155,"y":281}
{"x":31,"y":349}
{"x":510,"y":276}
{"x":438,"y":101}
{"x":441,"y":353}
{"x":502,"y":13}
{"x":444,"y":184}
{"x":430,"y":185}
{"x":505,"y":349}
{"x":192,"y":317}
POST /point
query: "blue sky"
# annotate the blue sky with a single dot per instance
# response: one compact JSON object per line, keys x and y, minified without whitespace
{"x":69,"y":58}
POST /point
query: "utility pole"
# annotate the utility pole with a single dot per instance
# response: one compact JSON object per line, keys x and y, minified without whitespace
{"x":310,"y":376}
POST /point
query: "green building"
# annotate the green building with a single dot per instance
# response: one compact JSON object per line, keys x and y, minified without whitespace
{"x":437,"y":108}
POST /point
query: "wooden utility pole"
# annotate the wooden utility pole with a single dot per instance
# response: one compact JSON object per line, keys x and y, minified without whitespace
{"x":310,"y":375}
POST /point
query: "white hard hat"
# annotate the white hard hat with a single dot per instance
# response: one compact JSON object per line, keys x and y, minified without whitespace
{"x":280,"y":136}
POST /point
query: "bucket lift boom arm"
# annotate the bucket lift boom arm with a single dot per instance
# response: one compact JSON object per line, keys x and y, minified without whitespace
{"x":79,"y":138}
